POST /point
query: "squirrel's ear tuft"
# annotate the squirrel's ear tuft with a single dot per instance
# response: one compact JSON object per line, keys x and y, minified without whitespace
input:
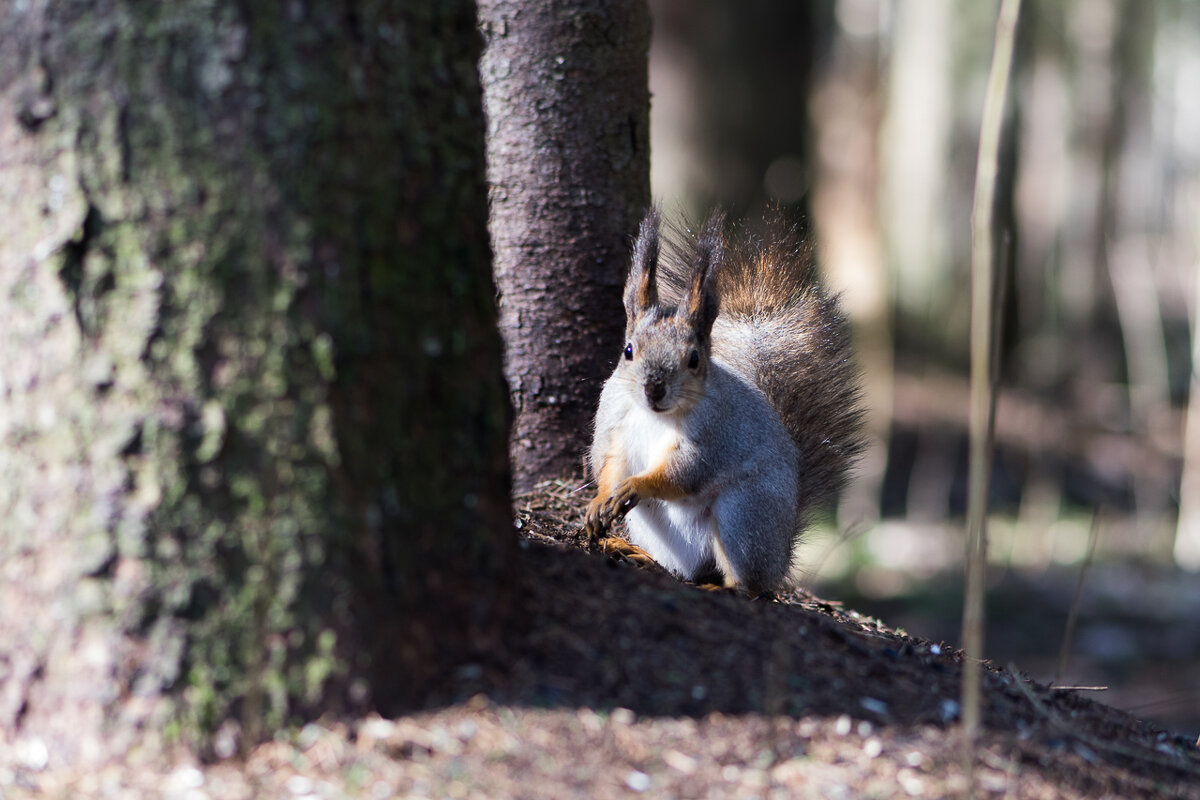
{"x":702,"y":301}
{"x":641,"y":288}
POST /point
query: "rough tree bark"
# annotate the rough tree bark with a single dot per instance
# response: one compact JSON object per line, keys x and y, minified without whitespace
{"x":565,"y":87}
{"x":252,"y":421}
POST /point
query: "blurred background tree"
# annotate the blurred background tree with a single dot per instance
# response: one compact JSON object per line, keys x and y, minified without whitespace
{"x":861,"y":118}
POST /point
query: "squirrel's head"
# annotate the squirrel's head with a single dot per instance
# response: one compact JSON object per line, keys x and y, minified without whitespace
{"x":667,"y":344}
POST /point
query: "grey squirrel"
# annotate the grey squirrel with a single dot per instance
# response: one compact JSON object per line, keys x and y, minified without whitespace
{"x":733,"y":410}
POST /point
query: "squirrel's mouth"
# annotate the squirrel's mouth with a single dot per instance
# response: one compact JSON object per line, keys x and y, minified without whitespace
{"x":668,"y":405}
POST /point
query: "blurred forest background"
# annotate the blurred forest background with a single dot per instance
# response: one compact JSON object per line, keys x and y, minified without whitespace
{"x":861,"y":117}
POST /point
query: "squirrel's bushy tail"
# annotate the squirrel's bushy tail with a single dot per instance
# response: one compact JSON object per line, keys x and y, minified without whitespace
{"x":779,"y":327}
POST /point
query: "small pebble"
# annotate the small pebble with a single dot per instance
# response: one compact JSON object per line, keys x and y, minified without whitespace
{"x":310,"y":734}
{"x":873,"y":705}
{"x":637,"y":781}
{"x":680,"y":761}
{"x":33,"y":754}
{"x":186,"y":778}
{"x":466,"y":730}
{"x":912,"y":785}
{"x":622,"y":716}
{"x":299,"y":785}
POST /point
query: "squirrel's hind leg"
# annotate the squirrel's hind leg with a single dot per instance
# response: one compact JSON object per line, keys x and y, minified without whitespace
{"x":728,"y":573}
{"x":754,"y":558}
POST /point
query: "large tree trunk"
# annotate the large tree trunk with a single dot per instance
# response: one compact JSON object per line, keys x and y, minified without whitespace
{"x":252,"y":421}
{"x":565,"y":86}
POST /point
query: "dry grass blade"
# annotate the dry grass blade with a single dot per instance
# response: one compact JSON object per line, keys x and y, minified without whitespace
{"x":982,"y":331}
{"x":1069,"y":632}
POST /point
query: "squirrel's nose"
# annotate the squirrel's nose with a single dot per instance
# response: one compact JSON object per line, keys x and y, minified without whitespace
{"x":655,"y":392}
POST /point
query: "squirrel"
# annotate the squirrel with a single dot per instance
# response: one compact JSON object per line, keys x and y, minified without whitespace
{"x":733,"y":411}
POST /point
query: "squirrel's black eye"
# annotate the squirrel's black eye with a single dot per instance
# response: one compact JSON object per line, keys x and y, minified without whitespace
{"x":693,"y":360}
{"x":629,"y":352}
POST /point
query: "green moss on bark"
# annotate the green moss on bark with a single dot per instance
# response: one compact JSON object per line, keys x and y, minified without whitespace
{"x":273,"y":351}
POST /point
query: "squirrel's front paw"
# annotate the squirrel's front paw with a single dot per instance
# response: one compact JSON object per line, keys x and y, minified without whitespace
{"x":594,"y":522}
{"x":602,"y":512}
{"x":622,"y":501}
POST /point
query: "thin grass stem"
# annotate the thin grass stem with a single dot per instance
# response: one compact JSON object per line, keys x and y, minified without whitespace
{"x":982,"y":389}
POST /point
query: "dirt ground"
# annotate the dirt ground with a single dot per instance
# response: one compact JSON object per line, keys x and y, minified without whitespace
{"x":623,"y":681}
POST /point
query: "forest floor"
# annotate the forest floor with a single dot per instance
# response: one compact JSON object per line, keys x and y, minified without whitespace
{"x":622,"y":681}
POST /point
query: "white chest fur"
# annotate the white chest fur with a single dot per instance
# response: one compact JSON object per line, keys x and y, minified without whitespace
{"x":677,"y":533}
{"x":649,"y":438}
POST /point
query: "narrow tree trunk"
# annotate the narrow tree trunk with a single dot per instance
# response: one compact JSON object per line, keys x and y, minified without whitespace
{"x":250,"y":395}
{"x":565,"y":87}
